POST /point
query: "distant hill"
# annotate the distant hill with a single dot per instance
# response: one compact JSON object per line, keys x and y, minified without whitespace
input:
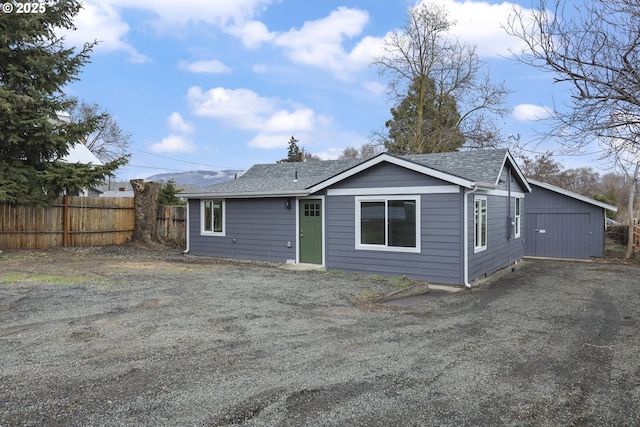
{"x":194,"y":180}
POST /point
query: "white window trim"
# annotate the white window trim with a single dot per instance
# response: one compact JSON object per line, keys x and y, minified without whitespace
{"x":476,"y":226}
{"x":224,"y":218}
{"x":386,"y":248}
{"x":517,"y":217}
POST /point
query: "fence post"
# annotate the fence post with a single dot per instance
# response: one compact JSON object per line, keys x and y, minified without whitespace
{"x":65,"y":220}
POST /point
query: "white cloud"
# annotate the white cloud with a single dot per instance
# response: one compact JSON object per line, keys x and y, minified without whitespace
{"x":329,"y":154}
{"x":481,"y":24}
{"x":246,"y":110}
{"x":259,"y":68}
{"x":174,"y":144}
{"x":177,"y":124}
{"x":240,"y":108}
{"x":319,"y":43}
{"x":212,"y":66}
{"x":103,"y":23}
{"x":217,"y":12}
{"x":268,"y":141}
{"x":253,"y":34}
{"x":530,"y":112}
{"x":374,"y":87}
{"x":298,"y":120}
{"x":102,"y":20}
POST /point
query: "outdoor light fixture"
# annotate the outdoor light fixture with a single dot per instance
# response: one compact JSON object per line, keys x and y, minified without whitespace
{"x":287,"y":204}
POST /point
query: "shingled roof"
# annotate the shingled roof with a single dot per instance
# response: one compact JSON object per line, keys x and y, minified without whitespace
{"x":481,"y":167}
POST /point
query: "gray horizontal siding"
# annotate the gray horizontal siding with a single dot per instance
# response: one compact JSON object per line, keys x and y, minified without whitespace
{"x":502,"y":248}
{"x":261,"y":229}
{"x":547,"y":202}
{"x":388,"y":175}
{"x":439,"y":262}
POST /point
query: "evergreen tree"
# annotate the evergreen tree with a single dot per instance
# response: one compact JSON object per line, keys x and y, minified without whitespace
{"x":35,"y":67}
{"x":439,"y":128}
{"x":295,"y":154}
{"x":168,"y":193}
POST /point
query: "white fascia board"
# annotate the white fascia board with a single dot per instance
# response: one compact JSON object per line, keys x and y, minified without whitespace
{"x":515,"y":168}
{"x":573,"y":195}
{"x":246,"y":195}
{"x":384,"y":157}
{"x":379,"y":191}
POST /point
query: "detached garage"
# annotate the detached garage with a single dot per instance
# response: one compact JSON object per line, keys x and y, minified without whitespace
{"x":562,"y":224}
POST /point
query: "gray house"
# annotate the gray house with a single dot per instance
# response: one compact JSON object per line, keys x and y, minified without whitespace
{"x":563,"y":224}
{"x":446,"y":218}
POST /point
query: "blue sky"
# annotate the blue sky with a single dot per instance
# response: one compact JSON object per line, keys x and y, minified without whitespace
{"x":224,"y":84}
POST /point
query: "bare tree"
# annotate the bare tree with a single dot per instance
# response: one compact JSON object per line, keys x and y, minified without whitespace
{"x":108,"y":141}
{"x":366,"y":151}
{"x":593,"y":47}
{"x":424,"y":54}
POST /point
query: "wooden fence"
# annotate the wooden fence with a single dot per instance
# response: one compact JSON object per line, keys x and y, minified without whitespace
{"x":636,"y":237}
{"x":82,"y":221}
{"x":172,"y":224}
{"x":70,"y":221}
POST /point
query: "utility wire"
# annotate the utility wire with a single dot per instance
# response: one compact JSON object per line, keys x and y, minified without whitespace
{"x":184,"y":161}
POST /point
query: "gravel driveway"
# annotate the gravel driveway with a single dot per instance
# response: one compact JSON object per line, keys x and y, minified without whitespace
{"x":126,"y":336}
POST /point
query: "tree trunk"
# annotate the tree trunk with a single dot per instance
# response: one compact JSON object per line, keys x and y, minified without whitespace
{"x":146,"y":194}
{"x":632,"y":193}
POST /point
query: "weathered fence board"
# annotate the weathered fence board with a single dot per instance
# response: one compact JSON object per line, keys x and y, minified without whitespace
{"x":172,"y":224}
{"x":70,"y":221}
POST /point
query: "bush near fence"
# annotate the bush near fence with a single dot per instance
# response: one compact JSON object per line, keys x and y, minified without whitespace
{"x":82,"y":221}
{"x":620,"y":234}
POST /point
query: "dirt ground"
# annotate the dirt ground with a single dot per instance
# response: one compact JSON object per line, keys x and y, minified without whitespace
{"x":127,"y":336}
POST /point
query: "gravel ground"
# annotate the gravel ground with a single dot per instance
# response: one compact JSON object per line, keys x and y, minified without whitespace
{"x":127,"y":336}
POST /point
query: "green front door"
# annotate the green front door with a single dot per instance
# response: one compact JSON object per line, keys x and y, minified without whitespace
{"x":311,"y":231}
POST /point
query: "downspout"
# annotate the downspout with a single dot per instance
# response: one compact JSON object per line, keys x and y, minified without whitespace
{"x":186,"y":251}
{"x":466,"y":235}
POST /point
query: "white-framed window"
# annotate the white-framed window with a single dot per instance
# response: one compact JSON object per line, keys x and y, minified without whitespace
{"x":388,"y":223}
{"x":480,"y":223}
{"x":517,"y":216}
{"x":213,"y":217}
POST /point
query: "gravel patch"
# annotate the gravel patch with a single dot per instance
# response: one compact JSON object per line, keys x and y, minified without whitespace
{"x":129,"y":336}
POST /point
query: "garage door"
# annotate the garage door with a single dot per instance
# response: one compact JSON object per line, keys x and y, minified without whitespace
{"x":560,"y":235}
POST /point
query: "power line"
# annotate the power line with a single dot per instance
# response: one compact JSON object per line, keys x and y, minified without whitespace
{"x":183,"y":161}
{"x":155,"y":168}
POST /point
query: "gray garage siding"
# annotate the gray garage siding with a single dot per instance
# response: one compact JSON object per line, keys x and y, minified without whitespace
{"x":441,"y":255}
{"x":573,"y":228}
{"x":261,"y":229}
{"x":502,"y":248}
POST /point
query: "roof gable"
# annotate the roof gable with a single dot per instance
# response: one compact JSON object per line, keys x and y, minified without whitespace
{"x":79,"y":153}
{"x":572,"y":195}
{"x":398,"y":161}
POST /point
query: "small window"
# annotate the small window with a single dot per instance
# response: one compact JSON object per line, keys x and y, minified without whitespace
{"x":311,"y":209}
{"x":517,"y":216}
{"x":213,"y":217}
{"x":480,"y":223}
{"x":390,"y":223}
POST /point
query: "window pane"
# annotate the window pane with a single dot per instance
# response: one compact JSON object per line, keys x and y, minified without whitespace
{"x":517,"y":218}
{"x":480,"y":218}
{"x":217,"y":217}
{"x":402,"y":223}
{"x":483,"y":223}
{"x":372,"y":223}
{"x":208,"y":216}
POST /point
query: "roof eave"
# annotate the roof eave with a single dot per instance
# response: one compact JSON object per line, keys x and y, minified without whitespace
{"x":574,"y":195}
{"x":244,"y":194}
